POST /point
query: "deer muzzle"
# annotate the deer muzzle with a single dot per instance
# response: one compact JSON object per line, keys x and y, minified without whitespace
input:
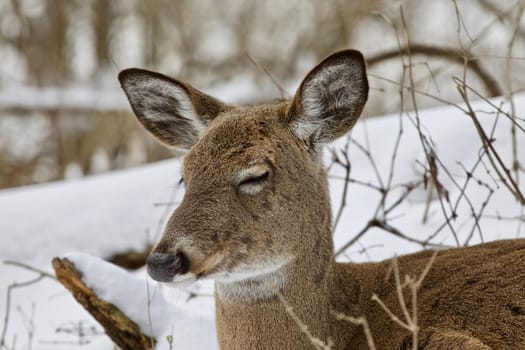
{"x":163,"y":267}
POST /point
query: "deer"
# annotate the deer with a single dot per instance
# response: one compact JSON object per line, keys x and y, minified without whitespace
{"x":256,"y":219}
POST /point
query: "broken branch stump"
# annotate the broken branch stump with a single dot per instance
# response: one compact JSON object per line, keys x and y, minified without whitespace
{"x":120,"y":328}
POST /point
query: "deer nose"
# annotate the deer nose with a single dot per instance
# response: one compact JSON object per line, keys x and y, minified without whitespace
{"x":163,"y":267}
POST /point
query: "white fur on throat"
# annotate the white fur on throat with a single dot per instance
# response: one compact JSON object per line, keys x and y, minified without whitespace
{"x":249,"y":286}
{"x":245,"y":286}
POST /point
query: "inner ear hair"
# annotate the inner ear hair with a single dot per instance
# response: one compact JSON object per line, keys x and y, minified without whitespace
{"x":330,"y":98}
{"x":171,"y":110}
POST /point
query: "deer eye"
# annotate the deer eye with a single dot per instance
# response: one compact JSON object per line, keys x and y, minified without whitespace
{"x":253,"y":183}
{"x":256,"y":179}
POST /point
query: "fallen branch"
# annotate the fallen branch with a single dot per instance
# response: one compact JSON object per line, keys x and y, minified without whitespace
{"x":124,"y":332}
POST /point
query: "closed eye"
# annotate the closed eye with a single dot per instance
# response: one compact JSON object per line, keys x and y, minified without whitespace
{"x":256,"y":179}
{"x":253,"y":180}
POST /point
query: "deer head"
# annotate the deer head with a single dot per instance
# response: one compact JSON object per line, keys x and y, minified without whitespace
{"x":256,"y":196}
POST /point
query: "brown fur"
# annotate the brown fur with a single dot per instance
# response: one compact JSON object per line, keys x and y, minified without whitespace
{"x":472,"y":298}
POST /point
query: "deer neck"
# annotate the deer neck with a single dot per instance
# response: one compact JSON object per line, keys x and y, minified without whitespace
{"x":267,"y":312}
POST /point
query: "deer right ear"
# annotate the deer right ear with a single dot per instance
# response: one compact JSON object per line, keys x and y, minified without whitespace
{"x":330,"y":98}
{"x":173,"y":111}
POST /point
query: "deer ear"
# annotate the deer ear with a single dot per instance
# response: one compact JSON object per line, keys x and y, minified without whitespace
{"x":173,"y":111}
{"x":330,"y":98}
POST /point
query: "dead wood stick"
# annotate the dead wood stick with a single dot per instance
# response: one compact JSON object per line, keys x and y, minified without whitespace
{"x":124,"y":332}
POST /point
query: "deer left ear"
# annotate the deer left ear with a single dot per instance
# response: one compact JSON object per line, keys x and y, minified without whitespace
{"x":330,"y":99}
{"x":171,"y":110}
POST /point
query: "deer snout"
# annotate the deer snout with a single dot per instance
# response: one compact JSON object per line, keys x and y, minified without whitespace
{"x":163,"y":267}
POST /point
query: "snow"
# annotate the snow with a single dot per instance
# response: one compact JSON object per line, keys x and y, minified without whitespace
{"x":110,"y":213}
{"x":100,"y":215}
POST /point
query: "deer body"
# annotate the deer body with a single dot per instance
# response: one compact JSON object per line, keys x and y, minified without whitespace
{"x":256,"y":218}
{"x":461,"y":305}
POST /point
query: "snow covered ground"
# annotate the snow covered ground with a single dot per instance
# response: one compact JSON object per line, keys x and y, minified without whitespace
{"x":106,"y":214}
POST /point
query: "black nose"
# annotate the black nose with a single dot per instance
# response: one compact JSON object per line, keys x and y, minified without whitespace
{"x":164,"y":267}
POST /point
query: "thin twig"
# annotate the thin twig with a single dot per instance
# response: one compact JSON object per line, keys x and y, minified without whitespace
{"x":41,"y":275}
{"x":348,"y":168}
{"x":494,"y":157}
{"x":282,"y":91}
{"x":30,"y":268}
{"x":509,"y":93}
{"x":358,"y":321}
{"x":10,"y":288}
{"x":316,"y":342}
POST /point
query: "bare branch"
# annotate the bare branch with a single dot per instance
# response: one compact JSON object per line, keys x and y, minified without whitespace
{"x":358,"y":321}
{"x":12,"y":286}
{"x":316,"y":342}
{"x":447,"y":53}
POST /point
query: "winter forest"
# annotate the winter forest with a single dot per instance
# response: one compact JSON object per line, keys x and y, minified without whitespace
{"x":436,"y":160}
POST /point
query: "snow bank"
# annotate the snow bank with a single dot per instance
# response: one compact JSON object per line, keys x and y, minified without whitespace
{"x":100,"y":215}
